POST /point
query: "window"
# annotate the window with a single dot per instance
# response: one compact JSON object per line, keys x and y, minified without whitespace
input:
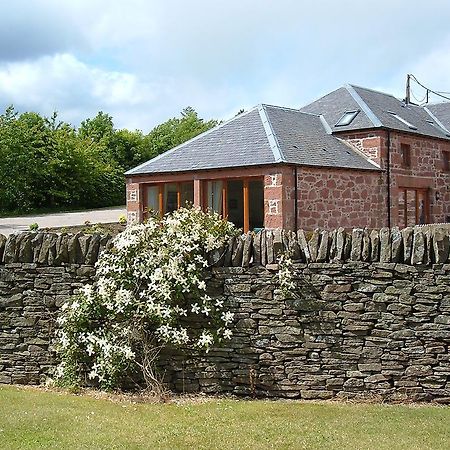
{"x":405,"y":152}
{"x":446,"y":161}
{"x":347,"y":118}
{"x":401,"y":119}
{"x":162,"y":198}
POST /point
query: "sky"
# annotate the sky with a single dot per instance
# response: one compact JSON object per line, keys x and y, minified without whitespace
{"x":143,"y":61}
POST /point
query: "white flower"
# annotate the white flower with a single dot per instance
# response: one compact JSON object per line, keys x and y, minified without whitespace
{"x":218,"y":303}
{"x":195,"y":308}
{"x":227,"y":317}
{"x":227,"y":334}
{"x":205,"y":340}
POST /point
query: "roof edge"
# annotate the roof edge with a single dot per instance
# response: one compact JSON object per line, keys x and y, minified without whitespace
{"x":271,"y":137}
{"x":363,"y":105}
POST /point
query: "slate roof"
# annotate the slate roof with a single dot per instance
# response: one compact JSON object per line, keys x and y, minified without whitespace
{"x":441,"y":113}
{"x":264,"y":135}
{"x":375,"y":111}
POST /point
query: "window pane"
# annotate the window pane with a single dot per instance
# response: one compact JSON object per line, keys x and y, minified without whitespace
{"x":214,"y":193}
{"x":153,"y":199}
{"x":170,"y":197}
{"x":187,"y":193}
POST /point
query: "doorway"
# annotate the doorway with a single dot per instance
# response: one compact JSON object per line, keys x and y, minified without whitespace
{"x":413,"y":207}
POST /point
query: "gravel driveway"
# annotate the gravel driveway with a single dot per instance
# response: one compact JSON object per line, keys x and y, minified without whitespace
{"x":10,"y":225}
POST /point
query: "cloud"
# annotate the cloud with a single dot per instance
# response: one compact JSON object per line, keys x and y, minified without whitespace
{"x":143,"y":61}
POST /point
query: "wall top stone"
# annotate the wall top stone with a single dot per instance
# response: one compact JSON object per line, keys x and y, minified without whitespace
{"x":412,"y":246}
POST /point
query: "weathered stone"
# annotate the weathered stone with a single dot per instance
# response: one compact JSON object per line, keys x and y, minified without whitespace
{"x":84,"y":241}
{"x":440,"y":245}
{"x":62,"y":249}
{"x":9,"y":254}
{"x":357,"y":235}
{"x":270,"y":255}
{"x":313,"y":244}
{"x":92,"y":250}
{"x":278,"y":246}
{"x":25,"y":253}
{"x":374,"y":246}
{"x":48,"y":249}
{"x":385,"y":245}
{"x":229,"y":251}
{"x":397,"y":245}
{"x":2,"y":246}
{"x":257,"y":248}
{"x":263,"y":248}
{"x":238,"y":249}
{"x":303,"y":244}
{"x":247,"y":249}
{"x":36,"y":244}
{"x":418,"y":247}
{"x":322,"y":253}
{"x":293,"y":247}
{"x":73,"y":248}
{"x":366,"y":250}
{"x":339,"y":244}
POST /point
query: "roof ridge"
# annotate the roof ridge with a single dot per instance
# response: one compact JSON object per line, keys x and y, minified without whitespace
{"x":372,"y":90}
{"x":280,"y":107}
{"x":168,"y":152}
{"x":271,"y":136}
{"x":364,"y":106}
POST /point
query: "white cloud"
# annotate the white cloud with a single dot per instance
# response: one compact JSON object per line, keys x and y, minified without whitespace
{"x":142,"y":61}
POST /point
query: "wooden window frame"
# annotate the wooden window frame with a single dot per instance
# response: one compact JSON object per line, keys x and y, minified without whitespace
{"x":161,"y":187}
{"x":245,"y":193}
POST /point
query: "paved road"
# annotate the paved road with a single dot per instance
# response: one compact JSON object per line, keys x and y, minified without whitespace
{"x":105,"y":215}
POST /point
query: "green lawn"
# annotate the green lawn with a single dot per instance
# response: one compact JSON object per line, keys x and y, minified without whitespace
{"x":30,"y":418}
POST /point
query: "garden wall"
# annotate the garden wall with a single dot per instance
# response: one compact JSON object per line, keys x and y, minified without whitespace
{"x":370,"y":314}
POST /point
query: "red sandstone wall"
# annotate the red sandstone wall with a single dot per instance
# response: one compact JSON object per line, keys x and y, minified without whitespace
{"x":426,"y":169}
{"x":331,"y":198}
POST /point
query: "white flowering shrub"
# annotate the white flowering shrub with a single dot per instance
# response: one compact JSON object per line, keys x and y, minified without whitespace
{"x":286,"y":275}
{"x":150,"y":291}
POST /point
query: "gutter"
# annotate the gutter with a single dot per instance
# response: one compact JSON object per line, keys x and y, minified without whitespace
{"x":296,"y":200}
{"x":388,"y":176}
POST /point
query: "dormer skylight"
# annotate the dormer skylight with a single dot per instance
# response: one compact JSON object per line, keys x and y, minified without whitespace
{"x":347,"y":118}
{"x":401,"y":119}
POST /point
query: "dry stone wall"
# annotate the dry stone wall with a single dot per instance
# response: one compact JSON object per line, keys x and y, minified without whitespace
{"x":369,"y":315}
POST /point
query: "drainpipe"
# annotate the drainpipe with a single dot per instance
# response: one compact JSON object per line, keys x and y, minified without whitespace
{"x":296,"y":200}
{"x":388,"y":176}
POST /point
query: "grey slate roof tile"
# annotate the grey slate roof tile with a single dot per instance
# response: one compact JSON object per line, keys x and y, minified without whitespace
{"x":378,"y":107}
{"x":242,"y":141}
{"x":440,"y":111}
{"x":304,"y":141}
{"x":264,"y":135}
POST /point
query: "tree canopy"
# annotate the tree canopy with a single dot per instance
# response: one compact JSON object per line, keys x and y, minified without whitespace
{"x":47,"y":163}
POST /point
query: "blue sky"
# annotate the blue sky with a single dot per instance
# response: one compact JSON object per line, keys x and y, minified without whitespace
{"x":144,"y":61}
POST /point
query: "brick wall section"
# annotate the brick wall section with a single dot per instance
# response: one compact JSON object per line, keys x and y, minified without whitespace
{"x":351,"y":330}
{"x":370,"y":313}
{"x":426,"y":169}
{"x":30,"y":296}
{"x":329,"y":198}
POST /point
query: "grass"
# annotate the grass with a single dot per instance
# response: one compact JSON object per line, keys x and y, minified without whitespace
{"x":33,"y":418}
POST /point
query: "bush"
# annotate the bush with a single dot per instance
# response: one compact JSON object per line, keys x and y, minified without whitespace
{"x":150,"y":293}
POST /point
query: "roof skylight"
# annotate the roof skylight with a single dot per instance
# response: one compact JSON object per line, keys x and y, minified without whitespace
{"x":347,"y":118}
{"x":401,"y":119}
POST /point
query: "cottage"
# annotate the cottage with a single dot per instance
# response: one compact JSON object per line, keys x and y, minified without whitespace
{"x":354,"y":158}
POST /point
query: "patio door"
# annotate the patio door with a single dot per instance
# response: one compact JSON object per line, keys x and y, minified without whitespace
{"x":414,"y":207}
{"x":241,"y":201}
